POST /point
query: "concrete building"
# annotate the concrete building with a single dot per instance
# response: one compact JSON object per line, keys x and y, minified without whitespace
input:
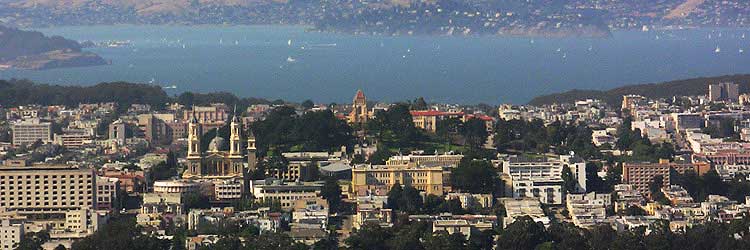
{"x":425,"y":160}
{"x":176,"y":187}
{"x":726,"y":91}
{"x":378,"y":179}
{"x":207,"y":115}
{"x":587,"y":210}
{"x":30,"y":131}
{"x":43,"y":190}
{"x":519,"y":207}
{"x":629,"y":102}
{"x":627,"y":196}
{"x":640,"y":175}
{"x":228,"y":190}
{"x":284,"y":193}
{"x":117,"y":132}
{"x":372,"y":209}
{"x":475,"y":201}
{"x":11,"y":233}
{"x":106,"y":193}
{"x":541,"y":177}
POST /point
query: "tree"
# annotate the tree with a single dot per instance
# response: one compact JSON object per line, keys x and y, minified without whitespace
{"x":33,"y":241}
{"x":196,"y":200}
{"x":380,"y":156}
{"x":569,"y":182}
{"x":523,"y":233}
{"x":60,"y":247}
{"x":394,"y":196}
{"x":444,"y":241}
{"x":475,"y":132}
{"x":394,"y":127}
{"x":655,"y":187}
{"x":410,"y":202}
{"x":308,"y":104}
{"x":120,"y":234}
{"x":475,"y":176}
{"x":419,"y":104}
{"x":369,"y":237}
{"x":331,"y":191}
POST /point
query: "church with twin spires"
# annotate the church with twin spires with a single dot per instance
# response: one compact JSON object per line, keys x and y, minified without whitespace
{"x":215,"y":163}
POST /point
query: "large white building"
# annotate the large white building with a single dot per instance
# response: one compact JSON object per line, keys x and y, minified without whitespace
{"x":30,"y":131}
{"x":542,"y":177}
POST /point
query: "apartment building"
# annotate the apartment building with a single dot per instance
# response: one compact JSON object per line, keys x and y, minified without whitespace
{"x":640,"y":175}
{"x":284,"y":193}
{"x":46,"y":189}
{"x":31,"y":131}
{"x":378,"y":179}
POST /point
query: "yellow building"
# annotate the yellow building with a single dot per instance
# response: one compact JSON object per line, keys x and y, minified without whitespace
{"x":427,"y":119}
{"x":378,"y":179}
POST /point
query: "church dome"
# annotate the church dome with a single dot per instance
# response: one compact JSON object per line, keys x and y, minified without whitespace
{"x":216,"y":144}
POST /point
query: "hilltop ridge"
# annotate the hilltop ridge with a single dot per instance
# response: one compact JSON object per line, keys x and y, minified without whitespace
{"x":687,"y":87}
{"x":33,"y":50}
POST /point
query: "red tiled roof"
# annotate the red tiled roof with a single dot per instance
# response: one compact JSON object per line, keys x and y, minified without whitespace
{"x":433,"y":113}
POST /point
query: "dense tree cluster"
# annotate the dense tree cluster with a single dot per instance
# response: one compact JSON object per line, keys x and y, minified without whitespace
{"x":534,"y":136}
{"x":23,"y":92}
{"x":643,"y":149}
{"x":285,"y":130}
{"x":394,"y":127}
{"x":525,"y":234}
{"x":699,"y":187}
{"x":414,"y":236}
{"x":476,"y":176}
{"x":120,"y":234}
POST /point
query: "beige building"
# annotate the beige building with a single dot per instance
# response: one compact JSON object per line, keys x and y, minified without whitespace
{"x":30,"y":131}
{"x":378,"y":179}
{"x":285,"y":193}
{"x":426,"y":160}
{"x":45,"y":189}
{"x":176,"y":186}
{"x":11,"y":233}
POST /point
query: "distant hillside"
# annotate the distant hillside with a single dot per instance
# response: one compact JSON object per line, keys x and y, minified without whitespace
{"x":24,"y":92}
{"x":689,"y":87}
{"x":15,"y":92}
{"x":33,"y":50}
{"x":15,"y":43}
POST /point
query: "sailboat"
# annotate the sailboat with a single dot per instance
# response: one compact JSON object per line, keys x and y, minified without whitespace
{"x":221,"y":41}
{"x":289,"y":43}
{"x":743,"y":35}
{"x":236,"y":42}
{"x":559,"y":49}
{"x":183,"y":46}
{"x":742,"y":51}
{"x":717,"y":50}
{"x":291,"y":60}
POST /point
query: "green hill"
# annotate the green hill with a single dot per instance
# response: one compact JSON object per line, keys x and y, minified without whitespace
{"x":689,"y":87}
